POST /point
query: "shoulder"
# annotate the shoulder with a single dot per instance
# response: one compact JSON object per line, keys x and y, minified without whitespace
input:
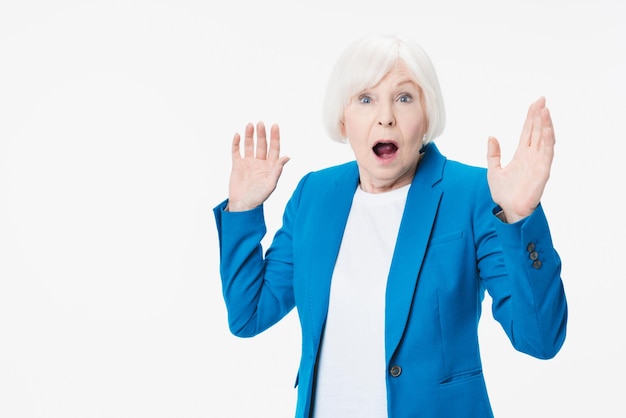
{"x":436,"y":168}
{"x":456,"y":169}
{"x":466,"y":182}
{"x":337,"y":180}
{"x":465,"y":195}
{"x":340,"y":170}
{"x":461,"y":183}
{"x":326,"y":177}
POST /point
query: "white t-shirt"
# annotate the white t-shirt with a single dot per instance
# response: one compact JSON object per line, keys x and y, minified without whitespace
{"x":352,"y":371}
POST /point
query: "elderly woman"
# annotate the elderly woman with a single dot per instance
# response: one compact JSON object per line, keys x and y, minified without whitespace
{"x":387,"y":258}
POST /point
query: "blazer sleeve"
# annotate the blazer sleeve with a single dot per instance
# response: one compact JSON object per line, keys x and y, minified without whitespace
{"x":528,"y":299}
{"x":257,"y":287}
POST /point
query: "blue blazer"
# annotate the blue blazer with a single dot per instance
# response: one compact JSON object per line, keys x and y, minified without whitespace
{"x":450,"y":249}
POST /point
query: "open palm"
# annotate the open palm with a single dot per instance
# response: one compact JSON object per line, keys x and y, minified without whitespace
{"x":255,"y":174}
{"x":517,"y":188}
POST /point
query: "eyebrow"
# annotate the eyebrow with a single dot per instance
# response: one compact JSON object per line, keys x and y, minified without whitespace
{"x":400,"y":84}
{"x":409,"y":81}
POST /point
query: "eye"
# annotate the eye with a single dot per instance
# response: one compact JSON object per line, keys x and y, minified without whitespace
{"x":405,"y":98}
{"x":364,"y":98}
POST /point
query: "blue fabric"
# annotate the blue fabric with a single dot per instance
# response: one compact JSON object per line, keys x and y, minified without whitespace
{"x":450,"y":249}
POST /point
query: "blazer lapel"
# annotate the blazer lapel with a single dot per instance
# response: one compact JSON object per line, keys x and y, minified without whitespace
{"x":417,"y":222}
{"x":331,"y":225}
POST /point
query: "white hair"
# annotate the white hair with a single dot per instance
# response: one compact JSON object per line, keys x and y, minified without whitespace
{"x":364,"y":63}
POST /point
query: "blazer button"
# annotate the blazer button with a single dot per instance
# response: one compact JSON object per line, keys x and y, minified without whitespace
{"x":534,"y":255}
{"x":537,"y":264}
{"x":395,"y":371}
{"x":530,"y":247}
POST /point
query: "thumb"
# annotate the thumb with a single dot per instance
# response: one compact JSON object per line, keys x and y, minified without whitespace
{"x":278,"y":166}
{"x":493,"y":153}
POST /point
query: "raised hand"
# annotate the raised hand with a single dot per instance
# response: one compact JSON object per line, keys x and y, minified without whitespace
{"x":254,"y":176}
{"x":518,"y":187}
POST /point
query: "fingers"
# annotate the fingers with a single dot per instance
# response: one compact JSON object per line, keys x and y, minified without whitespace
{"x":259,"y":150}
{"x":235,"y":150}
{"x":274,"y":151}
{"x":535,"y":136}
{"x":524,"y":139}
{"x":261,"y":141}
{"x":547,"y":127}
{"x":542,"y":130}
{"x":530,"y":124}
{"x":493,"y":153}
{"x":248,"y":143}
{"x":540,"y":103}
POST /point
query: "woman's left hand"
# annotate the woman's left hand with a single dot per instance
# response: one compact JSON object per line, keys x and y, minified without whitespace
{"x":518,"y":187}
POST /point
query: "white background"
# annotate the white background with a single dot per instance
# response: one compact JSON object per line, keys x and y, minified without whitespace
{"x":115,"y":126}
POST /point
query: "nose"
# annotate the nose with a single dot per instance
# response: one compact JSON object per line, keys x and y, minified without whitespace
{"x":386,"y":118}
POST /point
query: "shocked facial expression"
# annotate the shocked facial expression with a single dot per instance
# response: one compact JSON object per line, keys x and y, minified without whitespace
{"x":385,"y":126}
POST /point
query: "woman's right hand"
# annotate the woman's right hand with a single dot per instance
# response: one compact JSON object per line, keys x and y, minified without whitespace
{"x":254,"y":176}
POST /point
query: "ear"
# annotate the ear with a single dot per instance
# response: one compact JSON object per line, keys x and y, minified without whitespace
{"x":342,"y":128}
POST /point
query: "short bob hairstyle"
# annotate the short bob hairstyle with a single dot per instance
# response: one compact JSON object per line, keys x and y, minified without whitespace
{"x":364,"y":63}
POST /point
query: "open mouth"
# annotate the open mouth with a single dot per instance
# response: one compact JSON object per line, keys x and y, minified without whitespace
{"x":385,"y":150}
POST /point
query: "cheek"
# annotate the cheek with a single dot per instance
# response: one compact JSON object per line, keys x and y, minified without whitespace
{"x":414,"y":132}
{"x":352,"y":127}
